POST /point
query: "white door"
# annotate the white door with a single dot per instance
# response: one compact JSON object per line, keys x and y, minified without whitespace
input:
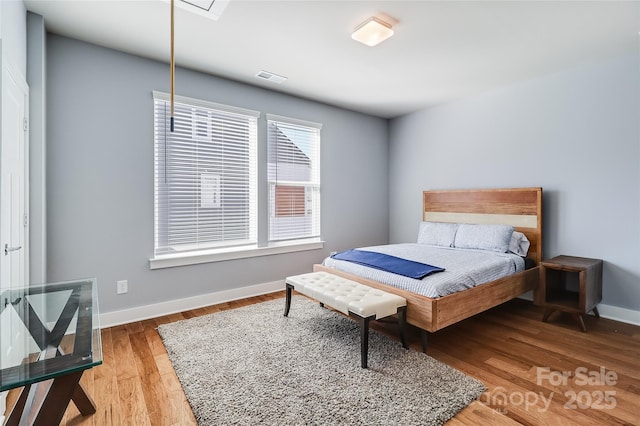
{"x":14,"y":259}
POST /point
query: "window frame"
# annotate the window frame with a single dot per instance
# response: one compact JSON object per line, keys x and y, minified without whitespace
{"x":312,"y":183}
{"x":262,"y":247}
{"x":214,"y":141}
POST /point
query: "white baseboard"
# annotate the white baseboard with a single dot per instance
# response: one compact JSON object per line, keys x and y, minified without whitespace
{"x":110,"y":319}
{"x":125,"y":316}
{"x":615,"y":313}
{"x":3,"y":406}
{"x":619,"y":314}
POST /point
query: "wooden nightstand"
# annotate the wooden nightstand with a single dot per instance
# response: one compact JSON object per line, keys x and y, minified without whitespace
{"x":571,"y":284}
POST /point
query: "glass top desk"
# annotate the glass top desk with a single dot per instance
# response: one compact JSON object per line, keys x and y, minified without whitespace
{"x":49,"y":335}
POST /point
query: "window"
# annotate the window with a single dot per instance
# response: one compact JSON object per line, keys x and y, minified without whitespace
{"x":294,"y":178}
{"x":289,"y":201}
{"x":205,"y":176}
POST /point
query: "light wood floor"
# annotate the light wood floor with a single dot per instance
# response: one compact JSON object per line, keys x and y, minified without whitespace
{"x":507,"y":348}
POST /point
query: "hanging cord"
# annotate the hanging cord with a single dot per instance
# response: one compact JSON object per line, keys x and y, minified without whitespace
{"x":173,"y":63}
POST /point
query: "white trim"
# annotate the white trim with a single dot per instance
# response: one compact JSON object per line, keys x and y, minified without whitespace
{"x":125,"y":316}
{"x":619,"y":314}
{"x":615,"y":313}
{"x":205,"y":104}
{"x":296,"y":121}
{"x":206,"y":256}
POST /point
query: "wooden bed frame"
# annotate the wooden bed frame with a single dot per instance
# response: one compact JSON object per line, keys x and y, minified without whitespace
{"x":520,"y":207}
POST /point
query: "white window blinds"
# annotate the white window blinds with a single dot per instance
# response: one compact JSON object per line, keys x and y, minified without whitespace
{"x":294,"y":178}
{"x":205,"y":176}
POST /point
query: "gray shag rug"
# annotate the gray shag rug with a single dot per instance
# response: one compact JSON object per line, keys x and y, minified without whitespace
{"x":252,"y":365}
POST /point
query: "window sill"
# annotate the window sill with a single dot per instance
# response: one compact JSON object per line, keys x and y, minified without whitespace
{"x":208,"y":256}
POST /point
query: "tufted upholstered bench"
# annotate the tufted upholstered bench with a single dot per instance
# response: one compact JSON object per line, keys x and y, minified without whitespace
{"x":351,"y":298}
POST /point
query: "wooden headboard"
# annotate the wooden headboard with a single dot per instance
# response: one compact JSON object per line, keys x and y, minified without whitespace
{"x":520,"y":207}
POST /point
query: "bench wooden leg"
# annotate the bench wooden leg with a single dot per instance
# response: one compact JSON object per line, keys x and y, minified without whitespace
{"x":364,"y":337}
{"x":287,"y":302}
{"x":423,"y":338}
{"x":402,"y":323}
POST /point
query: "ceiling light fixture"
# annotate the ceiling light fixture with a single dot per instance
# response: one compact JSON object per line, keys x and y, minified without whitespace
{"x":372,"y":32}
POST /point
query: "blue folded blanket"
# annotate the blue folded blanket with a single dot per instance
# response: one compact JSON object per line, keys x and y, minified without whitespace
{"x":388,"y":263}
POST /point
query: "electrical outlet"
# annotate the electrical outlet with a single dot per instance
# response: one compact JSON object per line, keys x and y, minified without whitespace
{"x":122,"y":287}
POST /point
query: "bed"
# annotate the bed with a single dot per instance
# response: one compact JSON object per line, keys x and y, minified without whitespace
{"x":519,"y":207}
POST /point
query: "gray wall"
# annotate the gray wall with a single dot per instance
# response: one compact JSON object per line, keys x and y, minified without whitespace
{"x":100,"y":175}
{"x":36,"y":78}
{"x":574,"y":133}
{"x":13,"y":33}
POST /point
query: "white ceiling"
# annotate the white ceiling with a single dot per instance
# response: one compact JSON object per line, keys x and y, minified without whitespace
{"x":441,"y":50}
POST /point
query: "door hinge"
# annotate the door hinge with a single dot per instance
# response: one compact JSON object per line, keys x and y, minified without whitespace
{"x":26,"y":220}
{"x":26,"y":124}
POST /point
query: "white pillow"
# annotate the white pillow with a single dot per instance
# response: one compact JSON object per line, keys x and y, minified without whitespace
{"x":519,"y":244}
{"x":437,"y":233}
{"x":484,"y":237}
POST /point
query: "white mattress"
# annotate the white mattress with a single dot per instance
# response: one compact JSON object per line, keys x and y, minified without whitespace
{"x":463,"y":268}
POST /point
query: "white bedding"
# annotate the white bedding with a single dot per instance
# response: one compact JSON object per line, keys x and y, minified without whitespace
{"x":464,"y":268}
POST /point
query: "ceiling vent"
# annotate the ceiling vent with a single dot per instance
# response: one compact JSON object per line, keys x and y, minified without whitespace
{"x":269,"y":76}
{"x":210,"y":8}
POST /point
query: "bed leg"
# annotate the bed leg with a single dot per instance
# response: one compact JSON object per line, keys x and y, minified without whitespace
{"x":423,"y":338}
{"x":287,"y":304}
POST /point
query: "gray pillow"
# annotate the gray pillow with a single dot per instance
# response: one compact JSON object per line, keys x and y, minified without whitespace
{"x":437,"y":233}
{"x":519,"y":244}
{"x":484,"y":237}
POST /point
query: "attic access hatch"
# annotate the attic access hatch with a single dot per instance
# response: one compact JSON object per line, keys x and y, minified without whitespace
{"x":209,"y":8}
